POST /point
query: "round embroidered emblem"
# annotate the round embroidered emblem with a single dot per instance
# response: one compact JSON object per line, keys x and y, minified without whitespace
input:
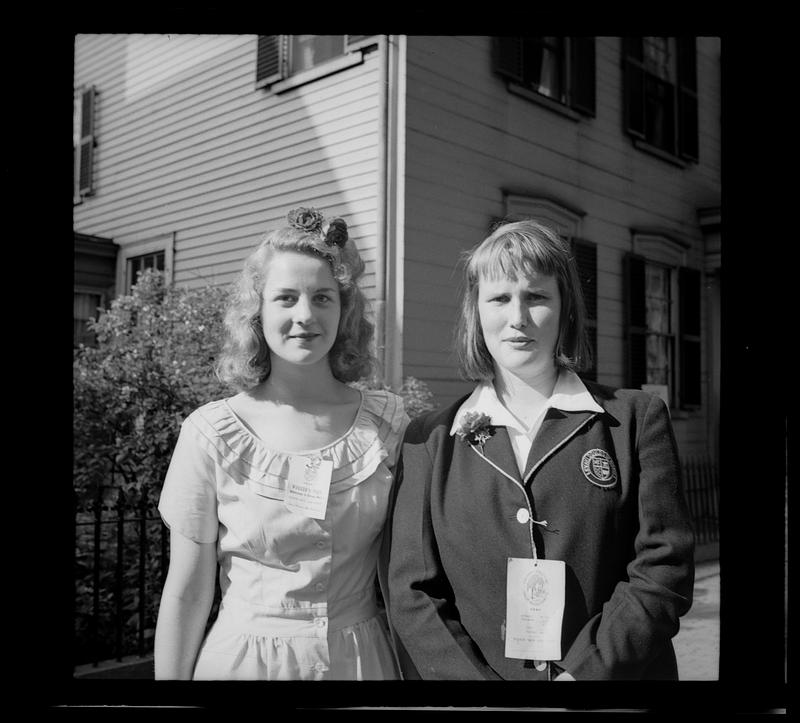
{"x":535,"y":587}
{"x":598,"y":468}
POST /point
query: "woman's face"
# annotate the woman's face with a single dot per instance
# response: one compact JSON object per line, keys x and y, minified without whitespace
{"x":520,"y":322}
{"x":300,"y":308}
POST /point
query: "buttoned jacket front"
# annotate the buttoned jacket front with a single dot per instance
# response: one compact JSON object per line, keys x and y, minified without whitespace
{"x":627,"y":542}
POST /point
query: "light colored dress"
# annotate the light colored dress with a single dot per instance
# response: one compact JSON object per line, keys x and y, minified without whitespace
{"x":298,"y":594}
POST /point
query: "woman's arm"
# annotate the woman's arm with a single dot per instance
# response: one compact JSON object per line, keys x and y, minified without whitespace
{"x":421,"y":601}
{"x":185,"y":604}
{"x":640,"y":618}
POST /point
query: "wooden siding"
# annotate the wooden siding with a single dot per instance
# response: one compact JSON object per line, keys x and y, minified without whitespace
{"x":187,"y":145}
{"x":468,"y":139}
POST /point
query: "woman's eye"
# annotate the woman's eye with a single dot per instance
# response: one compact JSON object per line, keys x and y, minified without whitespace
{"x":501,"y":298}
{"x":285,"y":298}
{"x":322,"y":298}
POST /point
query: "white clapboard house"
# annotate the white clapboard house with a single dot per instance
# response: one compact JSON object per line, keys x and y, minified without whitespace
{"x":189,"y":147}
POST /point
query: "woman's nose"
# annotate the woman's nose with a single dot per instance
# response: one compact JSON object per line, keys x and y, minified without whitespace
{"x":302,"y":311}
{"x":519,"y":315}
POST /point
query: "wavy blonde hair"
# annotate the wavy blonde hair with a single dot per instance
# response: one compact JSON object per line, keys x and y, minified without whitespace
{"x":245,"y":359}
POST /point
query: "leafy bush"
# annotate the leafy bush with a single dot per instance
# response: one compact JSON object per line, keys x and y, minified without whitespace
{"x":152,"y":366}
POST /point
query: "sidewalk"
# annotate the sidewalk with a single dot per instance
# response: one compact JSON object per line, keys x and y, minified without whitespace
{"x":697,"y":643}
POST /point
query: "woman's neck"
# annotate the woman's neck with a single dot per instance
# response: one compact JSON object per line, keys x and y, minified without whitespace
{"x":298,"y":385}
{"x":529,"y":393}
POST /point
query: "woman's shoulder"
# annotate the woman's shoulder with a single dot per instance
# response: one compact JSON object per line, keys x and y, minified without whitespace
{"x":619,"y":399}
{"x":209,"y":413}
{"x":383,"y":408}
{"x":434,"y":424}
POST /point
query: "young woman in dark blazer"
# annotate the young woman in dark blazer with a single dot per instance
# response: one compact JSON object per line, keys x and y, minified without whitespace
{"x":539,"y":528}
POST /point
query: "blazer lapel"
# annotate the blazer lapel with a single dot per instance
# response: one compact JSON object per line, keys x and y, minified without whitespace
{"x":557,"y":427}
{"x":498,"y":449}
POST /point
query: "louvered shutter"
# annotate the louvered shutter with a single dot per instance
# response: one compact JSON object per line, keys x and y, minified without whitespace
{"x":269,"y":59}
{"x":87,"y":140}
{"x":689,"y":281}
{"x":507,"y":57}
{"x":636,"y":321}
{"x":633,"y":88}
{"x":687,"y":98}
{"x":585,"y":254}
{"x":582,"y":72}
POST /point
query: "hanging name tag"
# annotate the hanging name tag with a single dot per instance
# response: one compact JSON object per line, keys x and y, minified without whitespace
{"x":534,"y":608}
{"x":308,"y":486}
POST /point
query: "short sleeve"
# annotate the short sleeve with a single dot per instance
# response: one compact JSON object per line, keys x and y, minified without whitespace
{"x":188,"y":502}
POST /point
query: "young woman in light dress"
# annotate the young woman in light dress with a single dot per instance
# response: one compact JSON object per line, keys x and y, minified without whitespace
{"x":283,"y":488}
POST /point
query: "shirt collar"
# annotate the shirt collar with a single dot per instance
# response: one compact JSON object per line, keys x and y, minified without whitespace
{"x":569,"y":395}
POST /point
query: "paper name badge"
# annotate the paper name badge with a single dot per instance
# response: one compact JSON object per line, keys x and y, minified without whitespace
{"x":308,"y":486}
{"x":534,"y":608}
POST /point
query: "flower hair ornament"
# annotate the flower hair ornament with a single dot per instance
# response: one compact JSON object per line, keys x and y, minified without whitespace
{"x":312,"y":221}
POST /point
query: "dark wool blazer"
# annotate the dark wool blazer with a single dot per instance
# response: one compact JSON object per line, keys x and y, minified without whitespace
{"x":628,"y":547}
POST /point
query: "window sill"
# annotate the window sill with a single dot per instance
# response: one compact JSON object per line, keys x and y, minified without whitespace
{"x":320,"y":71}
{"x":544,"y":101}
{"x":659,"y":153}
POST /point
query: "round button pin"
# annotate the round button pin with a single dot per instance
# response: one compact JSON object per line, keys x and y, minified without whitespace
{"x":523,"y":515}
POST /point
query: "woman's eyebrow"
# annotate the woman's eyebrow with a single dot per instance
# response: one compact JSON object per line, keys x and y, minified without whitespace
{"x":287,"y":290}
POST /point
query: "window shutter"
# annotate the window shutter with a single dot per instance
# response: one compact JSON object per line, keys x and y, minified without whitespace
{"x":507,"y":57}
{"x":269,"y":60}
{"x":356,"y":42}
{"x":582,"y":71}
{"x":689,"y":320}
{"x":633,"y":88}
{"x":636,"y":321}
{"x":86,"y":147}
{"x":585,"y":253}
{"x":687,"y":98}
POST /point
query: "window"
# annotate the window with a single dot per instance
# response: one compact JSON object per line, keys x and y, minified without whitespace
{"x":83,"y":143}
{"x":661,"y":95}
{"x":567,"y":222}
{"x":151,"y":253}
{"x":137,"y":264}
{"x":286,"y":61}
{"x":663,"y":322}
{"x":85,"y":306}
{"x":556,"y":70}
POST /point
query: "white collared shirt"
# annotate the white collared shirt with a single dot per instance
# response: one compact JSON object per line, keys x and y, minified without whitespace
{"x":569,"y":395}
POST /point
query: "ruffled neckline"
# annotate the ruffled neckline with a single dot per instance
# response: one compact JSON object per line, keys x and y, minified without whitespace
{"x":318,"y":451}
{"x":373,"y":436}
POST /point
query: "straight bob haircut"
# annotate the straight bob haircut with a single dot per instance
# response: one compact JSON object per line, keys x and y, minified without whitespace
{"x":245,"y":358}
{"x":513,"y":249}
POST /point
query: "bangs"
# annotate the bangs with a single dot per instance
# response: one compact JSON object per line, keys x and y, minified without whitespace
{"x":511,"y":255}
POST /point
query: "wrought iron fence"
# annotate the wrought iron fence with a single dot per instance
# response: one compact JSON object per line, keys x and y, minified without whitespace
{"x":701,"y":484}
{"x":121,"y":553}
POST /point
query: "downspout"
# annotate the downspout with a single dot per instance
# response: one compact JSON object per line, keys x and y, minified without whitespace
{"x":391,"y":189}
{"x":382,"y":223}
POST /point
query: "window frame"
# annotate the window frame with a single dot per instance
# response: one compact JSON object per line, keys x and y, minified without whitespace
{"x":684,"y":99}
{"x":656,"y":248}
{"x":164,"y":243}
{"x":578,"y":59}
{"x":281,"y":79}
